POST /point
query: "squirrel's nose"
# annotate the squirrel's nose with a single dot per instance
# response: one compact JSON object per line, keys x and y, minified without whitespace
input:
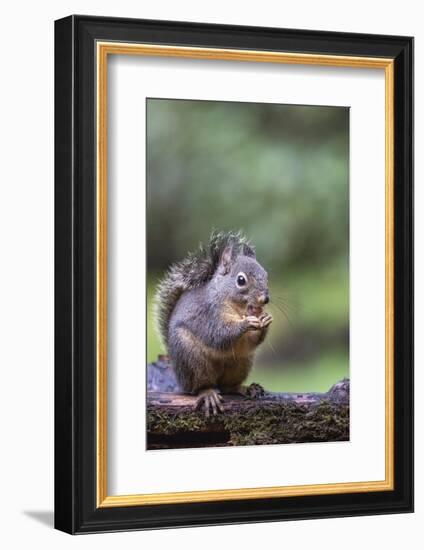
{"x":264,"y":299}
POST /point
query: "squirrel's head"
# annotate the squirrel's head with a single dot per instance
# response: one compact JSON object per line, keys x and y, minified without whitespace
{"x":243,"y":281}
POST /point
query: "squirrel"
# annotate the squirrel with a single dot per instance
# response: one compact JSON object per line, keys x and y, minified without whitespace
{"x":210,"y":314}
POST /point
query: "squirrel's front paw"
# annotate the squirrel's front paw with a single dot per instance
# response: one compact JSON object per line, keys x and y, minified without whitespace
{"x":266,"y":320}
{"x":209,"y":400}
{"x":252,"y":322}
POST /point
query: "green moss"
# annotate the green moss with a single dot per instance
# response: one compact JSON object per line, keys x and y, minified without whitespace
{"x":277,"y":423}
{"x":168,"y":423}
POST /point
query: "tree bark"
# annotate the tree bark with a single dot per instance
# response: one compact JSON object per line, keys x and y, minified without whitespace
{"x":272,"y":418}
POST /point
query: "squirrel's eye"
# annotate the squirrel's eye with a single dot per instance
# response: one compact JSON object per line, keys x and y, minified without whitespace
{"x":241,"y":279}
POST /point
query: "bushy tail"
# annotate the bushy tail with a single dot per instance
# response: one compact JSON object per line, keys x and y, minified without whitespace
{"x":194,"y":271}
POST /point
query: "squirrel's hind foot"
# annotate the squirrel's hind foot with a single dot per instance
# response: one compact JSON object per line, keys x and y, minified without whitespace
{"x":209,"y":401}
{"x":251,"y":392}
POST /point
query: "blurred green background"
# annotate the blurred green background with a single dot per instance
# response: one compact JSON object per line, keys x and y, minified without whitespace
{"x":279,"y":173}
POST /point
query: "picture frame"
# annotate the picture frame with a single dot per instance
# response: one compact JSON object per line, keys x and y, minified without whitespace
{"x":83,"y":45}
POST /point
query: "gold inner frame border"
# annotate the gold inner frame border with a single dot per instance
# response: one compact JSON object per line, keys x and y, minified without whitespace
{"x":103,"y":50}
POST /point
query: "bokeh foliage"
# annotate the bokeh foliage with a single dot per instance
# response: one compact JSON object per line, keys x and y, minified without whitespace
{"x":280,"y":174}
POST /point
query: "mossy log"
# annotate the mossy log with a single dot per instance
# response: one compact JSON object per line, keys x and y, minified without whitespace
{"x":272,"y":418}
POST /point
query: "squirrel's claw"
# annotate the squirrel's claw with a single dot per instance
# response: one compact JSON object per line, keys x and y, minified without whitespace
{"x":208,"y":400}
{"x":266,"y":320}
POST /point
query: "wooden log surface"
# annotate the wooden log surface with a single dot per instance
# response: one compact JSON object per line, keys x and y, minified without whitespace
{"x":272,"y":418}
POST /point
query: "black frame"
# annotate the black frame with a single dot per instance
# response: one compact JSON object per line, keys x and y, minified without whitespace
{"x":75,"y":275}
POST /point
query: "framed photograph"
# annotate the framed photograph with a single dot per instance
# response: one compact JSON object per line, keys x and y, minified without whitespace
{"x":234,"y":274}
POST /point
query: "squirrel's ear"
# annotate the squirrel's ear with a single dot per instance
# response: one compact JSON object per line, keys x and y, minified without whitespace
{"x":225,"y":262}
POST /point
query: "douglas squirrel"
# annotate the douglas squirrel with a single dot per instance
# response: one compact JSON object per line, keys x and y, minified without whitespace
{"x":210,"y":314}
